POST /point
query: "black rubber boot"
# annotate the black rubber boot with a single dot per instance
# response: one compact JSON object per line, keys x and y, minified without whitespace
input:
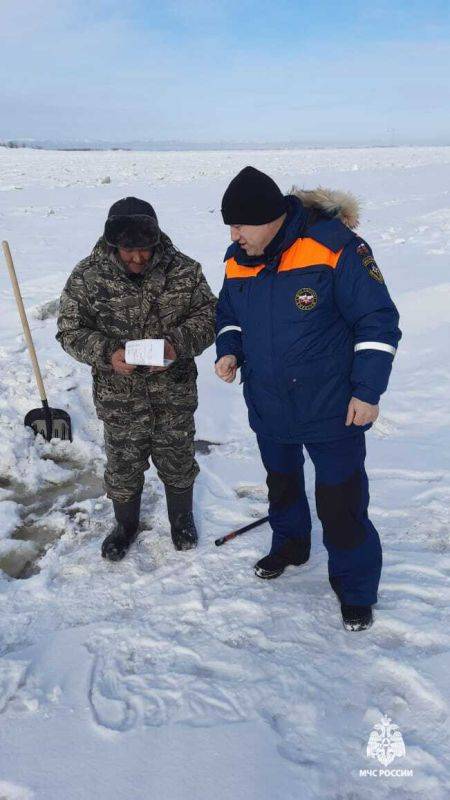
{"x":117,"y":544}
{"x":356,"y":618}
{"x":293,"y":551}
{"x":182,"y":525}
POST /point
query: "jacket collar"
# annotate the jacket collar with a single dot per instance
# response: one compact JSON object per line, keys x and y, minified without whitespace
{"x":155,"y":274}
{"x":290,"y":231}
{"x":308,"y":215}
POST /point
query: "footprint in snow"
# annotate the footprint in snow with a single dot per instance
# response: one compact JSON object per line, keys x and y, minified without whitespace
{"x":252,"y":491}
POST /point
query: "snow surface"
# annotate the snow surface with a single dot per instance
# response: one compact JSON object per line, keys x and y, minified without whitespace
{"x":181,"y":675}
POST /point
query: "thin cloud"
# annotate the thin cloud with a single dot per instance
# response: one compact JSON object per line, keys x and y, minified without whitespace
{"x":148,"y":71}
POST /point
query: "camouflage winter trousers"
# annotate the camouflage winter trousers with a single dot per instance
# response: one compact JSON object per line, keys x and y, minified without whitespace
{"x":166,"y":435}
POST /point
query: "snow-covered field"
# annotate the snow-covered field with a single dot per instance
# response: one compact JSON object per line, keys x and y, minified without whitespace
{"x":181,"y":675}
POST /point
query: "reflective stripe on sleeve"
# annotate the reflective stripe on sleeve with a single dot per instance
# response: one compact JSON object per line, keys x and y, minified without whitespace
{"x":229,"y":328}
{"x":388,"y":348}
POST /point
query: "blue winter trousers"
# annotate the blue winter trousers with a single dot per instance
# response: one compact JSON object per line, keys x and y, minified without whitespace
{"x":342,"y":499}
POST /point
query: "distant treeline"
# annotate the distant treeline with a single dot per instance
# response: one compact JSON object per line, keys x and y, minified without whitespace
{"x":35,"y":146}
{"x":17,"y":144}
{"x":91,"y":145}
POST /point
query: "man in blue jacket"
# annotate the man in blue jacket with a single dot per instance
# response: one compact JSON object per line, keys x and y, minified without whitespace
{"x":305,"y":313}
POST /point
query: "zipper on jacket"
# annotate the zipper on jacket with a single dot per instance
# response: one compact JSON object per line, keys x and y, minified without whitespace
{"x":272,"y":275}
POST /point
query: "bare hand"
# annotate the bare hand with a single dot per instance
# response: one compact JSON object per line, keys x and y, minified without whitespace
{"x":119,"y":364}
{"x":360,"y":413}
{"x":226,"y":368}
{"x":169,"y":353}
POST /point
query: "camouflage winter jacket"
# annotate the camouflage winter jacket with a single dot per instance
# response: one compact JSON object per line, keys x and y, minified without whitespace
{"x":101,"y":308}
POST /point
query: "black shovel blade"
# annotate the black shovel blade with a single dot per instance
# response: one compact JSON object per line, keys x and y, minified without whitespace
{"x":51,"y":423}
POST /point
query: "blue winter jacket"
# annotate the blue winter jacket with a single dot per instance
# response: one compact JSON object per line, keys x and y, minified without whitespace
{"x":311,"y":322}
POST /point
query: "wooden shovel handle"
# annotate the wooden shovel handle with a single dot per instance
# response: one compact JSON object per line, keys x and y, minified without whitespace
{"x":23,"y":317}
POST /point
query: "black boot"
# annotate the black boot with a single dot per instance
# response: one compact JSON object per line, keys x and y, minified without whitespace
{"x":116,"y":545}
{"x":356,"y":618}
{"x":293,"y":551}
{"x":182,"y":525}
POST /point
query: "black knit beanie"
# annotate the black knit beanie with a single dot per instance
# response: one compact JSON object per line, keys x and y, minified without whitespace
{"x":252,"y":198}
{"x":132,"y":223}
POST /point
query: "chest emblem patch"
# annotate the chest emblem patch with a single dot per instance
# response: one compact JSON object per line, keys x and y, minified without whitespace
{"x":306,"y":299}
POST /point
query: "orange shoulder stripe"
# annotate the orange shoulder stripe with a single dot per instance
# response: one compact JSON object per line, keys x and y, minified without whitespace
{"x":302,"y":253}
{"x":307,"y":253}
{"x":235,"y":270}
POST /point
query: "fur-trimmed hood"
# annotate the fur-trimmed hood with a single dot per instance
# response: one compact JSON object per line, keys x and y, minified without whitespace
{"x":333,"y":202}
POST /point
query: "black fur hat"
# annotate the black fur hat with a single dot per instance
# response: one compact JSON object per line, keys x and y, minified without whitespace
{"x":132,"y":223}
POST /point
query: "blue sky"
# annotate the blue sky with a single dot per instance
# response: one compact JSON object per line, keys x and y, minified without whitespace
{"x":203,"y":70}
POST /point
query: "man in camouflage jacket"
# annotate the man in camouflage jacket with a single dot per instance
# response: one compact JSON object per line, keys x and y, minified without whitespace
{"x":136,"y":285}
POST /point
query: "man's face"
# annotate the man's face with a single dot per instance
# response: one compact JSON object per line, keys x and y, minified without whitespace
{"x":136,"y":259}
{"x":255,"y":238}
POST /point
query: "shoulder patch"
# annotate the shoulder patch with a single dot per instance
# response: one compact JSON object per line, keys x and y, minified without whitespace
{"x":362,"y":249}
{"x":368,"y":262}
{"x":373,"y":269}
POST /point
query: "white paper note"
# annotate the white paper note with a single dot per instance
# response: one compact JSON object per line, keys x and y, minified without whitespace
{"x":149,"y":352}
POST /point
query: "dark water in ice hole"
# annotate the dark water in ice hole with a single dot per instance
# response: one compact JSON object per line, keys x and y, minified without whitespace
{"x":86,"y":486}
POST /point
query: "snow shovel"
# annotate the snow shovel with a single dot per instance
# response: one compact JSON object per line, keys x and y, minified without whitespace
{"x":51,"y":423}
